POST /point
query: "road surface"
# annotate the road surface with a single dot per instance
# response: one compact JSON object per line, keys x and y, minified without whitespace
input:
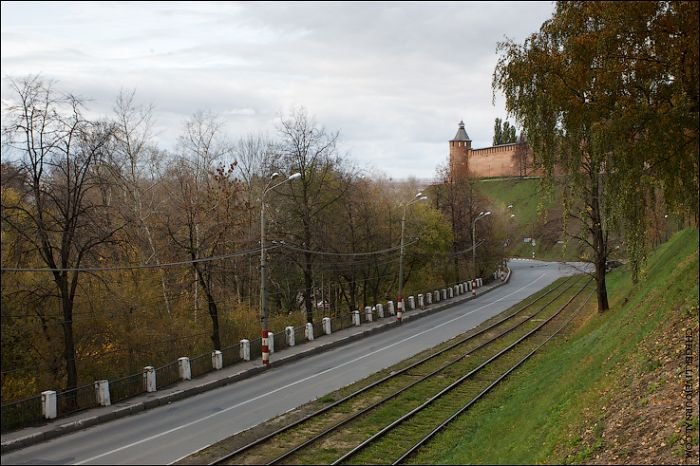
{"x":165,"y":434}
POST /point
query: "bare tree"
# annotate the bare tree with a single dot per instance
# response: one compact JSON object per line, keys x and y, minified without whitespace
{"x":205,"y":201}
{"x":137,"y":161}
{"x":311,"y":151}
{"x":62,"y":214}
{"x":254,"y":155}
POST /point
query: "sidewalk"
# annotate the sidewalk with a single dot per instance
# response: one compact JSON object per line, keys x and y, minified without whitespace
{"x":211,"y":380}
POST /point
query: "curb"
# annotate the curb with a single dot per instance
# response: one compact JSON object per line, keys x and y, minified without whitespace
{"x":165,"y":399}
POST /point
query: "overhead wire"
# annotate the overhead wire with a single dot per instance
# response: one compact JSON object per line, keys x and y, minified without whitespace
{"x":346,"y":254}
{"x":133,"y":267}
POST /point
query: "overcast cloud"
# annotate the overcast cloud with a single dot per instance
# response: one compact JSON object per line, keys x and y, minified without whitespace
{"x":395,"y":79}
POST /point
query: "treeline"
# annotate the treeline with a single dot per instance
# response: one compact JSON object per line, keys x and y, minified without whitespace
{"x":117,"y":253}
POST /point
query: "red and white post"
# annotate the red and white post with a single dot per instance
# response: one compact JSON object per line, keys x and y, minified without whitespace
{"x":399,"y":309}
{"x":265,"y":349}
{"x":473,"y":287}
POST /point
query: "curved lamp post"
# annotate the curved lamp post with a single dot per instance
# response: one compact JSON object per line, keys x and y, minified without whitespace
{"x":399,"y":301}
{"x":480,"y":216}
{"x":263,"y":295}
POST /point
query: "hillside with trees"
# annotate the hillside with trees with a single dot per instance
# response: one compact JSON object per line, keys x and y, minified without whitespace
{"x":118,"y":254}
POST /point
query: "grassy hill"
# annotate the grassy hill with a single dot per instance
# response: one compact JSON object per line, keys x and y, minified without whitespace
{"x":533,"y":216}
{"x":614,"y":390}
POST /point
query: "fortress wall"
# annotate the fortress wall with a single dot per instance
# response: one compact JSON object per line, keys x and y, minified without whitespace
{"x":496,"y":161}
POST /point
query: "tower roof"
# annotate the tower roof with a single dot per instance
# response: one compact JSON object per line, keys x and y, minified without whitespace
{"x":461,"y":133}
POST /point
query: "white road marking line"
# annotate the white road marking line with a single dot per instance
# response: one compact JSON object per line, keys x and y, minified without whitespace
{"x":197,"y":421}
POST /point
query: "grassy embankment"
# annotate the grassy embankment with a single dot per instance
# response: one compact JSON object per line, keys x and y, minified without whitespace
{"x":611,"y":391}
{"x":525,"y":195}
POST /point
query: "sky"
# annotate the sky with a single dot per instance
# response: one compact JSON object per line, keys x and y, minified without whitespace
{"x":394,"y":79}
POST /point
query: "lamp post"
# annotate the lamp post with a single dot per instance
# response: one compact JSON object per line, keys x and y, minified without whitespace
{"x":480,"y":216}
{"x":510,"y":223}
{"x":399,"y":301}
{"x":263,"y":295}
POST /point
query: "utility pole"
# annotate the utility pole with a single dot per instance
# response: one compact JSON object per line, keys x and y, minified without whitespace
{"x":399,"y":301}
{"x":480,"y":216}
{"x":263,"y":263}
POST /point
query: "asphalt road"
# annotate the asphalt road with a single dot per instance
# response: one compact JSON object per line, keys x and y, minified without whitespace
{"x":165,"y":434}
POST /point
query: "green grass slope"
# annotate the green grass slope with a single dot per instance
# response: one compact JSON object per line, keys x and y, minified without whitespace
{"x":613,"y":390}
{"x":534,"y":215}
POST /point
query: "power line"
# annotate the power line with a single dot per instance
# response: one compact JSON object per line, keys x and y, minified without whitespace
{"x":353,"y":254}
{"x":134,"y":267}
{"x":194,"y":261}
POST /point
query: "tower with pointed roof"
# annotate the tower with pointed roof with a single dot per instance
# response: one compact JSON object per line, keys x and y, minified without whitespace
{"x":460,"y":147}
{"x":503,"y":160}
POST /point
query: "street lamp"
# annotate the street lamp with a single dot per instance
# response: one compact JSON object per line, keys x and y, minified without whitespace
{"x":263,"y":295}
{"x":510,"y":224}
{"x":481,"y":215}
{"x":399,"y":302}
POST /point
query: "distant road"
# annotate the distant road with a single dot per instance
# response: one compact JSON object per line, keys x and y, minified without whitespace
{"x":165,"y":434}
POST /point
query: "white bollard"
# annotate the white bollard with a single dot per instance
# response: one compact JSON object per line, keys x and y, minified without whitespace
{"x":436,"y":296}
{"x":244,"y":349}
{"x":48,"y":404}
{"x":390,"y":308}
{"x":368,"y":314}
{"x":428,"y":298}
{"x":421,"y":301}
{"x":450,"y":293}
{"x":309,"y":331}
{"x":326,"y":323}
{"x":217,"y":360}
{"x":183,"y":368}
{"x":411,"y":303}
{"x":380,"y":311}
{"x":289,"y":335}
{"x":270,"y":342}
{"x":480,"y":282}
{"x":102,"y":392}
{"x":356,"y":318}
{"x":149,"y":379}
{"x":443,"y":294}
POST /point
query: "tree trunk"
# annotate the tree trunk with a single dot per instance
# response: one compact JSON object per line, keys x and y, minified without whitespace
{"x":214,"y":314}
{"x":599,"y":243}
{"x":213,"y":310}
{"x":601,"y":289}
{"x":71,"y":399}
{"x":308,"y":291}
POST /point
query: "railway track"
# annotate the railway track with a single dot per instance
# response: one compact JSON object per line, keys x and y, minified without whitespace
{"x":394,"y":406}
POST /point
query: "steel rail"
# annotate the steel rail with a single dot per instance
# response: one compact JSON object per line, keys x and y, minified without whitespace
{"x":447,"y":365}
{"x":325,"y":409}
{"x":411,"y":451}
{"x":453,"y":385}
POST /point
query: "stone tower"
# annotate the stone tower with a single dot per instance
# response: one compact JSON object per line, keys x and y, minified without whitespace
{"x":460,"y":147}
